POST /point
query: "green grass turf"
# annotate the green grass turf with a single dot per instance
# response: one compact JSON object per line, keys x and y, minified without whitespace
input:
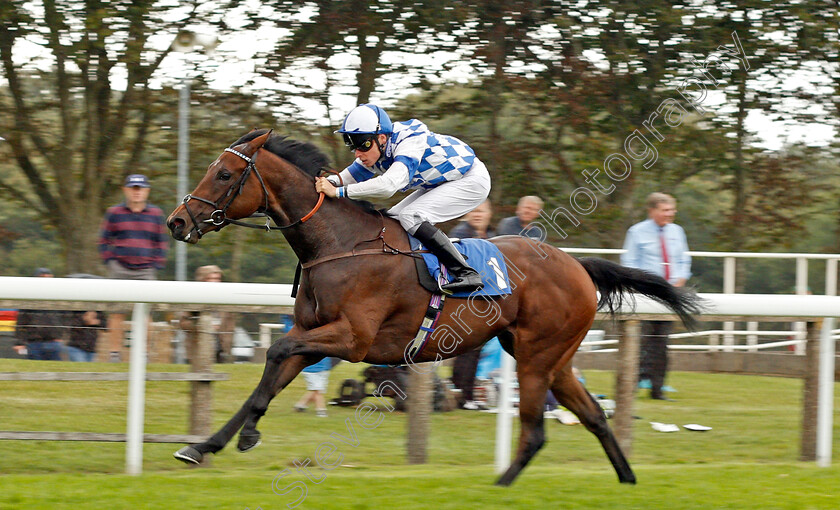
{"x":748,"y":460}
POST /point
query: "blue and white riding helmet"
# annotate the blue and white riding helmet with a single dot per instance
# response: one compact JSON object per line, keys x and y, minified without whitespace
{"x":366,"y":119}
{"x":362,"y":125}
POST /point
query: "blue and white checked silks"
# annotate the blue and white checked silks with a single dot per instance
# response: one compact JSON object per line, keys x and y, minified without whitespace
{"x":431,"y":158}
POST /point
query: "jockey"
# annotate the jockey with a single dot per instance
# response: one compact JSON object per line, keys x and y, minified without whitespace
{"x":448,"y":179}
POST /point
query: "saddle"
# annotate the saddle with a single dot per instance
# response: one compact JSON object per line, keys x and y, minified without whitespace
{"x":484,"y":256}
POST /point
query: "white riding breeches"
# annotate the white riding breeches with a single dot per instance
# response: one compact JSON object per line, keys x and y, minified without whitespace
{"x":448,"y":201}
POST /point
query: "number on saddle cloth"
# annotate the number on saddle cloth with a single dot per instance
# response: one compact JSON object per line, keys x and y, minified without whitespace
{"x":484,"y":256}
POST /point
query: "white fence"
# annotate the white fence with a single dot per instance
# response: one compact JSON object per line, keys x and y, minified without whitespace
{"x":730,"y":259}
{"x":740,"y":305}
{"x":729,"y":265}
{"x":244,"y":294}
{"x":142,"y":293}
{"x":752,"y":344}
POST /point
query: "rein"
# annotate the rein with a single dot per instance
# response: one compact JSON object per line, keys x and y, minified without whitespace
{"x":386,"y":249}
{"x":219,"y":216}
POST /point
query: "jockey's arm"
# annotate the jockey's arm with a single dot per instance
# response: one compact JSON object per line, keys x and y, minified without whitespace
{"x":384,"y":186}
{"x":346,"y":178}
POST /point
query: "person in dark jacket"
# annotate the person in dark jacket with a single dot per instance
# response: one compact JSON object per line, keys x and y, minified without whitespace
{"x":476,"y":224}
{"x":40,"y":330}
{"x":527,"y":210}
{"x":84,"y":331}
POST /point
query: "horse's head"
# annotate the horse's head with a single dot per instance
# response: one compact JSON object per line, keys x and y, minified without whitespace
{"x":231,"y":189}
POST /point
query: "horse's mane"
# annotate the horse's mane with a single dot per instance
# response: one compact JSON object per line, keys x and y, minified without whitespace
{"x":303,"y":155}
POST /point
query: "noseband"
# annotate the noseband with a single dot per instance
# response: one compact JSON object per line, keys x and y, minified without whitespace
{"x":219,"y":215}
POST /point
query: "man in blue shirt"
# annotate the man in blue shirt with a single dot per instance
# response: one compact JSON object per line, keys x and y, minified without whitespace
{"x":447,"y":178}
{"x":659,"y":246}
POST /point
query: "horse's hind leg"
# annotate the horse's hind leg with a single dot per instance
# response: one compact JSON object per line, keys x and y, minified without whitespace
{"x":532,"y":390}
{"x":574,"y":397}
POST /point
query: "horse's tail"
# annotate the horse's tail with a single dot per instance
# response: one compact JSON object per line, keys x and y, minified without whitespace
{"x":617,"y":283}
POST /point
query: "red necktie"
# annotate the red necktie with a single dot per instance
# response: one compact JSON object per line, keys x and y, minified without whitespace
{"x":664,"y":253}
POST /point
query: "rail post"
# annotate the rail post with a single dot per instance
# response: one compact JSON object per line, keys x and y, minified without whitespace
{"x":625,"y":384}
{"x":420,"y":396}
{"x":201,"y":392}
{"x":810,"y":394}
{"x":136,"y":391}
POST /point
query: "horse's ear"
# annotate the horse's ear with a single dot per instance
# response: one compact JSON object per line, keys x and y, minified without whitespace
{"x":255,"y":144}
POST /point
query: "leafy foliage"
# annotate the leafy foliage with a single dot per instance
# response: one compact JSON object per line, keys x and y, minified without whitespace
{"x":553,"y":90}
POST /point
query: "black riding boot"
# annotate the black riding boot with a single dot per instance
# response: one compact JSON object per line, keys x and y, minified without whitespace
{"x":465,"y":278}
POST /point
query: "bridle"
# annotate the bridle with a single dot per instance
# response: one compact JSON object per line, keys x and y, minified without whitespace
{"x":219,"y":217}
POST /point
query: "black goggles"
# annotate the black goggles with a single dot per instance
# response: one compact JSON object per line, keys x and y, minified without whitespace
{"x":360,"y":142}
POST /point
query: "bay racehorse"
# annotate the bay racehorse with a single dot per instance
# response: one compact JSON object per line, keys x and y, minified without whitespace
{"x":360,"y":297}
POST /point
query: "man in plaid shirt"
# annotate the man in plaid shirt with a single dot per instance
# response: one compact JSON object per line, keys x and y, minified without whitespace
{"x":132,"y":242}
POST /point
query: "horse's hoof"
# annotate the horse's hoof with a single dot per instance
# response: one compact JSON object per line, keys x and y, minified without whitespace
{"x":189,"y":455}
{"x":248,"y":441}
{"x":631,"y":480}
{"x":501,"y":482}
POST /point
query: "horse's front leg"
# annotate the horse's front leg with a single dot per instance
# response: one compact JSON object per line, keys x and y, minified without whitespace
{"x":284,"y":361}
{"x":274,"y":374}
{"x":335,"y":340}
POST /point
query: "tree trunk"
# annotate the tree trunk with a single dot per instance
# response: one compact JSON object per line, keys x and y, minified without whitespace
{"x":80,"y":234}
{"x":235,"y":273}
{"x":739,"y":178}
{"x":495,"y":105}
{"x":366,"y":77}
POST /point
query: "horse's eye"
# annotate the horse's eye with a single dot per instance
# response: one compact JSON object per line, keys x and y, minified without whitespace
{"x":224,"y":176}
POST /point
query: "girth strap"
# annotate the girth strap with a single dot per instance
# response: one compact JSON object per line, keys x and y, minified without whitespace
{"x":427,"y":327}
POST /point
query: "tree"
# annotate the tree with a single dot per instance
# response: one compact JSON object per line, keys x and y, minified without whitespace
{"x":73,"y":131}
{"x":790,"y":50}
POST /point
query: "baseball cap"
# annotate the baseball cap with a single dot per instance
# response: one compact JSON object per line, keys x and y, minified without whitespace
{"x":137,"y":180}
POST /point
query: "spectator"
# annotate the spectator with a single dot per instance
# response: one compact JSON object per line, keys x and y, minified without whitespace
{"x":84,"y":331}
{"x":132,"y":243}
{"x":40,"y":330}
{"x":659,"y":246}
{"x":223,"y":322}
{"x":317,"y":376}
{"x":476,"y":224}
{"x":490,"y":360}
{"x":527,"y":210}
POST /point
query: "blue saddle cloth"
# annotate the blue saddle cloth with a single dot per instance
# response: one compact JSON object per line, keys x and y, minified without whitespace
{"x":483,"y":256}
